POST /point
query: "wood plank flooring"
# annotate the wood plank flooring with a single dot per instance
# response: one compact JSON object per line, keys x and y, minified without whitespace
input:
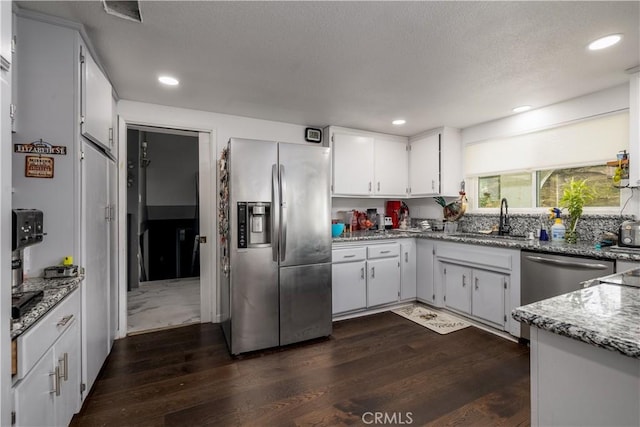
{"x":381,"y":365}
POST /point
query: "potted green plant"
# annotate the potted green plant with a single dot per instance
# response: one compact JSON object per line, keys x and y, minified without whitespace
{"x":575,"y":195}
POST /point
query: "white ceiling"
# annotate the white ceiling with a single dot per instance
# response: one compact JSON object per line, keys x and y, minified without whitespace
{"x":361,"y":64}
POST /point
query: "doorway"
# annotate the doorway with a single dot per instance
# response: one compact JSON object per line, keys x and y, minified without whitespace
{"x":163,"y":228}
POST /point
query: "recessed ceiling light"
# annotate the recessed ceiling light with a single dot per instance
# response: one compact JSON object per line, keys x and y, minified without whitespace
{"x":167,"y":80}
{"x":521,"y":108}
{"x":399,"y":122}
{"x":605,"y":42}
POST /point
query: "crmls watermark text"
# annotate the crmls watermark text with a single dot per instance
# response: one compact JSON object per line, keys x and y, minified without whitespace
{"x":395,"y":418}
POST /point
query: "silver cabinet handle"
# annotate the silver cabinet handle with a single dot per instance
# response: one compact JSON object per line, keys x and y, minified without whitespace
{"x":476,"y":283}
{"x":406,"y":257}
{"x":433,"y":184}
{"x":464,"y":280}
{"x":63,"y":322}
{"x":369,"y":186}
{"x":373,"y":272}
{"x":64,"y":360}
{"x":585,"y":265}
{"x":378,"y":186}
{"x":56,"y":381}
{"x":275,"y":212}
{"x":384,"y":252}
{"x":349,"y":256}
{"x":362,"y":273}
{"x":283,"y":215}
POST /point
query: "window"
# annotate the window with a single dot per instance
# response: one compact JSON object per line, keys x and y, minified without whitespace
{"x":549,"y":186}
{"x":515,"y":187}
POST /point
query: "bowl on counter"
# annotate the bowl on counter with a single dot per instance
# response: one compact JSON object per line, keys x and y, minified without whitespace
{"x":337,"y":229}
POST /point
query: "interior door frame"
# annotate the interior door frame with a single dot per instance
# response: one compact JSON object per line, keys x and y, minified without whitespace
{"x":207,"y":186}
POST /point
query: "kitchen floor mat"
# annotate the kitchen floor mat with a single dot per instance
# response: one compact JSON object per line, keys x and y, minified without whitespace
{"x":437,"y":321}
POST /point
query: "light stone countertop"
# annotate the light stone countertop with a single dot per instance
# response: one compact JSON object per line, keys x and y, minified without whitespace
{"x":55,"y":290}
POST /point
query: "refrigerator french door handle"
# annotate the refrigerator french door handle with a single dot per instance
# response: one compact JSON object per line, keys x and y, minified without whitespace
{"x":283,"y":214}
{"x":275,"y":212}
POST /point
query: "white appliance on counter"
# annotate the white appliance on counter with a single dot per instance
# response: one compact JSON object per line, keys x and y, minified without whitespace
{"x":276,"y":288}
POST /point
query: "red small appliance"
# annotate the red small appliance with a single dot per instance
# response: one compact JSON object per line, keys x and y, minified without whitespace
{"x":393,"y":210}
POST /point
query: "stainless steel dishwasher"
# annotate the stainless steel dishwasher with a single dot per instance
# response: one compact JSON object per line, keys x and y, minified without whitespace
{"x":544,"y":276}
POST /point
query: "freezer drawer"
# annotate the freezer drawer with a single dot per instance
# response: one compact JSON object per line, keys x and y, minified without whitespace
{"x":305,"y":302}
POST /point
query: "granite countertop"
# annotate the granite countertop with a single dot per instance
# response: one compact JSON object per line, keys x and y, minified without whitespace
{"x":605,"y":315}
{"x":579,"y":249}
{"x":54,"y":291}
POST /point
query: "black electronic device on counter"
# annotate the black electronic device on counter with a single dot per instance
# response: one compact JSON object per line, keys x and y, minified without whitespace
{"x":22,"y":302}
{"x":60,"y":271}
{"x":27,"y":229}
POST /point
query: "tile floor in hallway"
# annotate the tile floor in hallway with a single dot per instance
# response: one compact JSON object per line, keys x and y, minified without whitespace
{"x":163,"y":303}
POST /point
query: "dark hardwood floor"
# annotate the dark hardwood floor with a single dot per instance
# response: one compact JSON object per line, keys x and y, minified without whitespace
{"x":376,"y":366}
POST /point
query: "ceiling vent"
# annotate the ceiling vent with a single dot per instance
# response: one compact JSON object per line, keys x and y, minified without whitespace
{"x":123,"y":9}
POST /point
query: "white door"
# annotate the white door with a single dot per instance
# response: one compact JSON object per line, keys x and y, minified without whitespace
{"x":488,"y":296}
{"x":391,"y":163}
{"x":352,"y":164}
{"x":457,"y":285}
{"x":349,"y":286}
{"x":383,"y":283}
{"x":67,"y":353}
{"x":35,"y":396}
{"x":95,"y":244}
{"x":424,"y":166}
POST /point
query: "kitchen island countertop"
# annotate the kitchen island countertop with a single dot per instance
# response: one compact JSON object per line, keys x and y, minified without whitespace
{"x":55,"y":290}
{"x":605,"y":316}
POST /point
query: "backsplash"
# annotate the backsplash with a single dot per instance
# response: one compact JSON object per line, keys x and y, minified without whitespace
{"x":590,"y":227}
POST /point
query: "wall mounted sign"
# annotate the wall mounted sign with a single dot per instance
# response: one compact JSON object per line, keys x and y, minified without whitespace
{"x":38,"y":167}
{"x":40,"y":147}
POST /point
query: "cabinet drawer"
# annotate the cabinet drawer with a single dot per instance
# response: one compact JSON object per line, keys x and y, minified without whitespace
{"x":383,"y":251}
{"x":37,"y":340}
{"x":349,"y":254}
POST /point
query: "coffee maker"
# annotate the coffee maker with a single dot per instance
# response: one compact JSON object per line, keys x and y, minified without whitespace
{"x":393,"y":210}
{"x":27,"y":230}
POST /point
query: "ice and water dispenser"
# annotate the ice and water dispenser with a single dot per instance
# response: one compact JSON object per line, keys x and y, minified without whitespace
{"x":254,"y":224}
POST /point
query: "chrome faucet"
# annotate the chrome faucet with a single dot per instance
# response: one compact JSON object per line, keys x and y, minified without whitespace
{"x":504,"y":227}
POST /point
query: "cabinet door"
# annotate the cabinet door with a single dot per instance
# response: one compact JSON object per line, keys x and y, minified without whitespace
{"x":424,"y":166}
{"x":96,"y":102}
{"x":425,"y":290}
{"x":349,"y":285}
{"x":383,"y":283}
{"x":67,"y":358}
{"x":488,"y":296}
{"x":390,"y":168}
{"x":352,"y":164}
{"x":35,"y":394}
{"x":95,"y":244}
{"x":457,"y":285}
{"x":408,"y":271}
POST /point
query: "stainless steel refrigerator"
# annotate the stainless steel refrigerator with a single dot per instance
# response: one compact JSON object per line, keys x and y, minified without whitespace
{"x":276,"y":284}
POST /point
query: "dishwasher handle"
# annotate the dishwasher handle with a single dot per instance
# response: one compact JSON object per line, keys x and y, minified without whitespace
{"x":561,"y":263}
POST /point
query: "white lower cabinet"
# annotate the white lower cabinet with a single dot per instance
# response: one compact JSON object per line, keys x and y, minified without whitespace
{"x":487,"y":300}
{"x":349,"y":286}
{"x":408,"y":270}
{"x":383,"y":281}
{"x":48,"y":392}
{"x":425,"y":290}
{"x":457,"y":292}
{"x":478,"y":282}
{"x":365,"y":276}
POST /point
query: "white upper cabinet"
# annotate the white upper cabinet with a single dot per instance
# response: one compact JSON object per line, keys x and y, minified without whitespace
{"x":435,"y":163}
{"x":352,"y":164}
{"x":96,"y":102}
{"x":390,"y":167}
{"x":368,"y":164}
